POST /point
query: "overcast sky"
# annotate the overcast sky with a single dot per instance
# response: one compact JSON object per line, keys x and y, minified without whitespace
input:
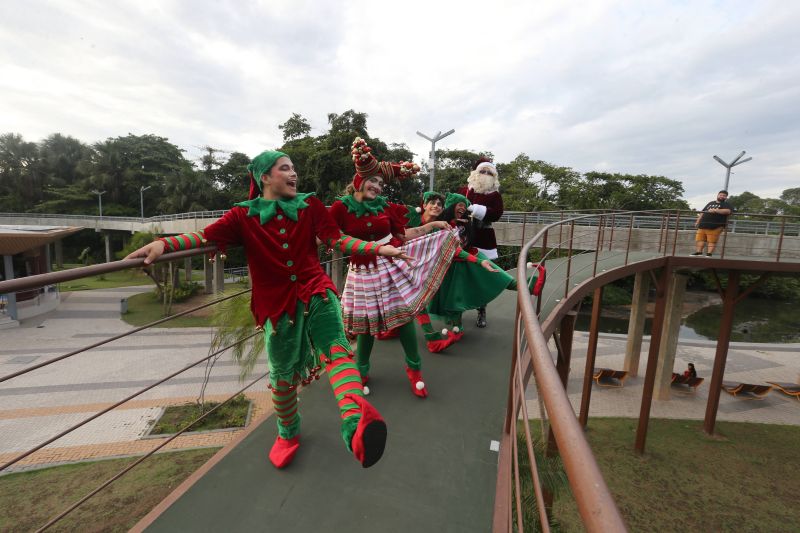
{"x":634,"y":87}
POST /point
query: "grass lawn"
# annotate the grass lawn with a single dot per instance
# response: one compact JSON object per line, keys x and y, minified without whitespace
{"x":29,"y":499}
{"x":745,"y":479}
{"x":112,"y":280}
{"x":145,"y":308}
{"x":175,"y":417}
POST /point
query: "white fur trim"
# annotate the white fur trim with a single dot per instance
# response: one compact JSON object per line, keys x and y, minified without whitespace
{"x":478,"y":211}
{"x":491,"y":254}
{"x":486,"y":164}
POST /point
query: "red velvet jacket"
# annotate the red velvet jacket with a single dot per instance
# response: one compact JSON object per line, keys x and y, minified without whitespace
{"x":484,"y":237}
{"x":371,"y":222}
{"x":281,"y":254}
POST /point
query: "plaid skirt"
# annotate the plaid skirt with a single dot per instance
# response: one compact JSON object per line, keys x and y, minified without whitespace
{"x":391,"y":293}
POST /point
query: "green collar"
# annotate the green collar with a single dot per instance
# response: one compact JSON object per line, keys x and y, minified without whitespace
{"x":266,"y":209}
{"x":414,"y":218}
{"x":372,"y":207}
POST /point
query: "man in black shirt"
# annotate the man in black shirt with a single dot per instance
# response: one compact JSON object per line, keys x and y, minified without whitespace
{"x":710,"y":222}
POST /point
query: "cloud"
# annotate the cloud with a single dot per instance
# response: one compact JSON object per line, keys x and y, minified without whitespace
{"x":655,"y":88}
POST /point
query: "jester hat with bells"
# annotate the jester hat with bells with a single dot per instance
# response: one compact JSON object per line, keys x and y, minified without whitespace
{"x":367,"y":166}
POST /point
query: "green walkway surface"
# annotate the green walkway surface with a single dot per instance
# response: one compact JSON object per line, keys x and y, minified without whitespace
{"x":438,"y":472}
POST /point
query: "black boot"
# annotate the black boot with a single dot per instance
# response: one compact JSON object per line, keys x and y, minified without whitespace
{"x":481,"y":322}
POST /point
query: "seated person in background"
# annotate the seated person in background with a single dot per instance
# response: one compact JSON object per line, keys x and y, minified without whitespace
{"x":690,"y":372}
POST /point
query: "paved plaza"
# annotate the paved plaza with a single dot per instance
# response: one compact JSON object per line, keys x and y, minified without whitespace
{"x":38,"y":405}
{"x":747,"y":363}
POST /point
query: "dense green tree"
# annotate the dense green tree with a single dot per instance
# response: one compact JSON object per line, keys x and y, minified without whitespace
{"x":296,"y":127}
{"x":21,"y":173}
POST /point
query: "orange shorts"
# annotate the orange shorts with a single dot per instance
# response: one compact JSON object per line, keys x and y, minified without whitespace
{"x":708,"y":235}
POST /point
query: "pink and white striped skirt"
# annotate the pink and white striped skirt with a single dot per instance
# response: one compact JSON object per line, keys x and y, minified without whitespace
{"x":390,"y":294}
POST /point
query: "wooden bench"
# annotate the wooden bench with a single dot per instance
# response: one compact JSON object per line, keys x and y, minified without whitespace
{"x":748,"y":391}
{"x":790,"y":389}
{"x":607,"y":377}
{"x":680,"y":379}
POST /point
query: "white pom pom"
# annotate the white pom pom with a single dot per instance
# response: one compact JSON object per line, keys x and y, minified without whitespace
{"x":418,"y":210}
{"x":420,"y":385}
{"x":444,"y":331}
{"x":530,"y":265}
{"x":456,"y":329}
{"x":366,"y":390}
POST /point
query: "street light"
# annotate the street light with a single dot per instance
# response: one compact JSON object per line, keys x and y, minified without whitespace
{"x":99,"y":200}
{"x":141,"y":198}
{"x":437,"y":137}
{"x":729,"y":166}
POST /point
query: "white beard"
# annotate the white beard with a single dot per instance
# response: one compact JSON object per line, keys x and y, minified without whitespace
{"x":482,"y":183}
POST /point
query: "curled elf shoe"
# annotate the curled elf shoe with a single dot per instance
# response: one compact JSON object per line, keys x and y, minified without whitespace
{"x":283,"y":451}
{"x":417,"y":385}
{"x":369,"y":440}
{"x":455,"y":335}
{"x":439,"y":342}
{"x":386,"y":335}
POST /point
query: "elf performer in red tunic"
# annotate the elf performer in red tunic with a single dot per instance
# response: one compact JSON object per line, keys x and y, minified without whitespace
{"x":483,"y":191}
{"x":381,"y":294}
{"x":294,"y":301}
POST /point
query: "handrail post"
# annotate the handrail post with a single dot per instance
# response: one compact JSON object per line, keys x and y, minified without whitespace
{"x":780,"y":239}
{"x":677,"y":226}
{"x":611,"y":236}
{"x":628,"y":246}
{"x":569,"y":258}
{"x":597,"y":247}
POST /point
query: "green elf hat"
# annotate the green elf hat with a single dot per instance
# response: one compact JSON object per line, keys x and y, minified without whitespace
{"x":455,"y":198}
{"x":262,"y":163}
{"x":427,"y":197}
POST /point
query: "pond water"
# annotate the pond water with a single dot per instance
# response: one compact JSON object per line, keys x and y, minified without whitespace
{"x":755,"y":320}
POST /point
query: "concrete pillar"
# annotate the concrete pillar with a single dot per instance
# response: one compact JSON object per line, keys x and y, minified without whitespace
{"x":11,"y":303}
{"x":668,"y":344}
{"x":209,"y":275}
{"x":219,"y":273}
{"x":633,"y":347}
{"x":187,"y":267}
{"x":59,"y":254}
{"x":107,"y":238}
{"x":48,"y":267}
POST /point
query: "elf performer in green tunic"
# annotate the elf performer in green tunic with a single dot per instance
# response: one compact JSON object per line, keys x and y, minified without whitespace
{"x":466,"y":285}
{"x":294,"y":301}
{"x":381,"y":294}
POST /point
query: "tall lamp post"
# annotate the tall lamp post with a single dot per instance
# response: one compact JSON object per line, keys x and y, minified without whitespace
{"x":437,"y":137}
{"x":141,"y":198}
{"x":729,"y":166}
{"x":99,"y":200}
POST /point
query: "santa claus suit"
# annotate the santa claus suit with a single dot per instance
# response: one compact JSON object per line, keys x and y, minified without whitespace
{"x":483,"y":191}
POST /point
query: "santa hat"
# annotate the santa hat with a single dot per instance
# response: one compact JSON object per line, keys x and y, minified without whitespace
{"x":367,"y":166}
{"x":484,"y":162}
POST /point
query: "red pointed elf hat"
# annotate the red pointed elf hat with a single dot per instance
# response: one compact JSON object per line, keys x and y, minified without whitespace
{"x":367,"y":165}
